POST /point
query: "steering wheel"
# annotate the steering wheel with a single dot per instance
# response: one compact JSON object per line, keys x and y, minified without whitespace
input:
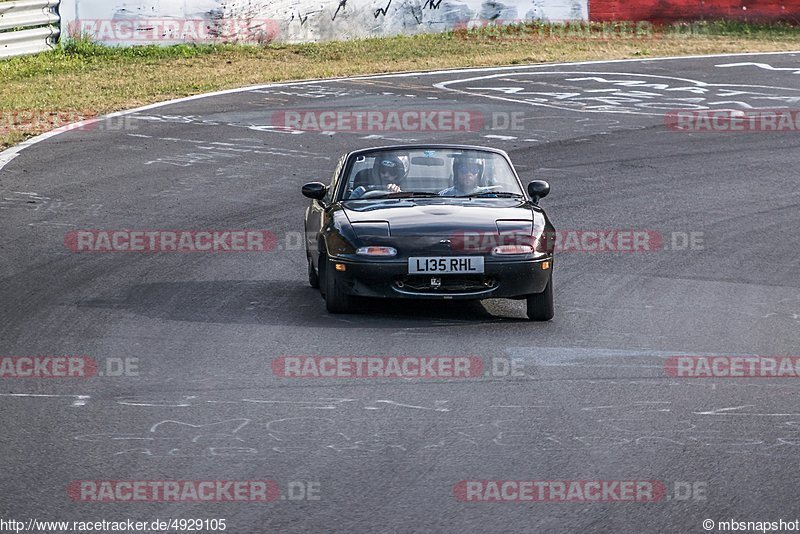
{"x":372,"y":193}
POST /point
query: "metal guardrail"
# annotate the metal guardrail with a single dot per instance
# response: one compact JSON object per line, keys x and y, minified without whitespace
{"x":28,"y":26}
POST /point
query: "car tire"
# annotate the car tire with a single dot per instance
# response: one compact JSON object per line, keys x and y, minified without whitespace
{"x":336,"y":300}
{"x":540,"y":305}
{"x":313,"y":277}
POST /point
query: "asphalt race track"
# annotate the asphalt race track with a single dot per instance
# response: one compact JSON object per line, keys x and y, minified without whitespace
{"x":593,"y":401}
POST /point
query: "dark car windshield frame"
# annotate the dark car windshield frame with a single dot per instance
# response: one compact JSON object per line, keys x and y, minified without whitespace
{"x":353,"y":156}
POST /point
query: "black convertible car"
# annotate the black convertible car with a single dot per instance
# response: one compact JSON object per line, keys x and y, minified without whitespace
{"x":429,"y":222}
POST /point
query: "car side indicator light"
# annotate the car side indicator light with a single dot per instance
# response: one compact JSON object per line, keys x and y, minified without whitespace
{"x":545,"y":265}
{"x":341,"y":267}
{"x":385,"y":252}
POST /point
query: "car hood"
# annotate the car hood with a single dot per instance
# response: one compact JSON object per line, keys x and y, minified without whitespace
{"x":435,"y":217}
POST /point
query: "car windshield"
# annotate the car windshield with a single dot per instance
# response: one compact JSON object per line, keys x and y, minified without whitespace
{"x":430,"y":173}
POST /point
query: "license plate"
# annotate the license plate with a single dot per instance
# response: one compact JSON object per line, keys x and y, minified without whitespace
{"x":446,"y":265}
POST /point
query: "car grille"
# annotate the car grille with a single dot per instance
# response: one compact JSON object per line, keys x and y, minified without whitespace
{"x":444,"y":284}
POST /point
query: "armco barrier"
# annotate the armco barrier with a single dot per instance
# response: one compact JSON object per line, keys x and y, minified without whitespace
{"x":28,"y":26}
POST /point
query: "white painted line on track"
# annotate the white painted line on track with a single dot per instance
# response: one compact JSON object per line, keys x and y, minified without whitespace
{"x":597,"y":75}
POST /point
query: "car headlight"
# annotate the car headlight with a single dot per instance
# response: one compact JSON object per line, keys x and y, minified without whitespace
{"x":381,"y":252}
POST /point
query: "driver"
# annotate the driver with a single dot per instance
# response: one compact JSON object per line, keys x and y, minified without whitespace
{"x":386,"y":173}
{"x":467,"y":175}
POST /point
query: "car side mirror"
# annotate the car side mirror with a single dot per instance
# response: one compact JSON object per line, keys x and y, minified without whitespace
{"x":315,"y":190}
{"x":537,"y":190}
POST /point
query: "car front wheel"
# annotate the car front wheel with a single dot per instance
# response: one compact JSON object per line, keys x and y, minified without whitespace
{"x":540,"y":305}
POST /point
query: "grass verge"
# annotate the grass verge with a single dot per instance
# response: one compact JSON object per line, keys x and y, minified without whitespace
{"x":81,"y":79}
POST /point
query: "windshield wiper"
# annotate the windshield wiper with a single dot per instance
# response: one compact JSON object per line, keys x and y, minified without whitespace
{"x":492,"y":194}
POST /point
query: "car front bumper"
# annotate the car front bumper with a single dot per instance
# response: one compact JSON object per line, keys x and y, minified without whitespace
{"x":504,"y":278}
